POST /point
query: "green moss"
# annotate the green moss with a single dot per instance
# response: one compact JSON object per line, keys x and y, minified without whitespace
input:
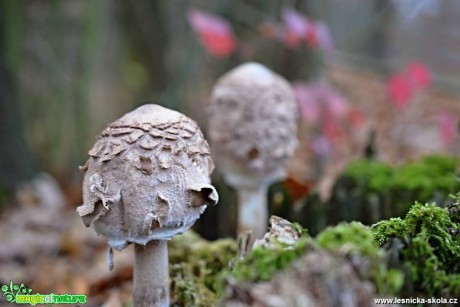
{"x":188,"y":285}
{"x":370,"y":190}
{"x":356,"y":242}
{"x":427,"y":272}
{"x":427,"y":176}
{"x":423,"y":249}
{"x":435,"y":225}
{"x":442,"y":163}
{"x":261,"y":263}
{"x":374,"y":175}
{"x":354,"y":236}
{"x":196,"y":268}
{"x":430,"y":250}
{"x":454,"y":209}
{"x":351,"y":240}
{"x":274,"y":254}
{"x":302,"y":231}
{"x":424,"y":177}
{"x":386,"y":229}
{"x":216,"y":256}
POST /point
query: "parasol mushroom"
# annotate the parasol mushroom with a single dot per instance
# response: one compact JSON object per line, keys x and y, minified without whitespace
{"x":253,"y":132}
{"x":147,"y":180}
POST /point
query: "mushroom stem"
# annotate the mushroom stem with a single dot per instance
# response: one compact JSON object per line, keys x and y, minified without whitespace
{"x":151,"y":275}
{"x":253,"y":211}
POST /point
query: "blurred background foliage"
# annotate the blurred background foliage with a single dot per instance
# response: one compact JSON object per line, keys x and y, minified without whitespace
{"x":373,"y":78}
{"x":369,"y":191}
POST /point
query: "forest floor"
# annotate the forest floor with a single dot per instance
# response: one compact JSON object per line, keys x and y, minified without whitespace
{"x":46,"y":246}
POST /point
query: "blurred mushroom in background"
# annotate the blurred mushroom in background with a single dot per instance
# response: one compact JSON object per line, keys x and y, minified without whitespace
{"x":253,"y":132}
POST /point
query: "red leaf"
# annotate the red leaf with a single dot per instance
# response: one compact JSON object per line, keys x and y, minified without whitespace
{"x":297,"y":188}
{"x":216,"y":44}
{"x":399,"y":91}
{"x":214,"y":32}
{"x":312,"y":36}
{"x":331,"y":129}
{"x":401,"y":86}
{"x":291,"y":40}
{"x":418,"y":75}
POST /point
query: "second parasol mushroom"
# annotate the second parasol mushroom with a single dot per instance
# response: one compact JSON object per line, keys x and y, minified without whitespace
{"x":253,"y":132}
{"x":147,"y":180}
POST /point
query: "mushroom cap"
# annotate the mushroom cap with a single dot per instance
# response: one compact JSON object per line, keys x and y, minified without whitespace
{"x":147,"y":177}
{"x":253,"y":125}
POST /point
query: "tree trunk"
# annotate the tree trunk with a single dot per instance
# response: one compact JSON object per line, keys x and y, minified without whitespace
{"x":16,"y":164}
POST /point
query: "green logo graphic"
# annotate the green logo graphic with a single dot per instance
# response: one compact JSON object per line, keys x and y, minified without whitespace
{"x":20,"y":294}
{"x":10,"y":292}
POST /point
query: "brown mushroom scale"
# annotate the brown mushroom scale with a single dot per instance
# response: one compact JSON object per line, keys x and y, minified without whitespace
{"x":147,"y":177}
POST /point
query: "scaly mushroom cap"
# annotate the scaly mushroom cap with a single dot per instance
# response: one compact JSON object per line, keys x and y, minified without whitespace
{"x":253,"y":125}
{"x":147,"y":177}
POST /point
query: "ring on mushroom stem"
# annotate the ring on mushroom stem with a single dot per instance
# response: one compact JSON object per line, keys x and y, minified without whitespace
{"x":147,"y":179}
{"x":253,"y":132}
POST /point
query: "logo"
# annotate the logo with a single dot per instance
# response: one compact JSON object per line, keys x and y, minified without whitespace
{"x":20,"y":294}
